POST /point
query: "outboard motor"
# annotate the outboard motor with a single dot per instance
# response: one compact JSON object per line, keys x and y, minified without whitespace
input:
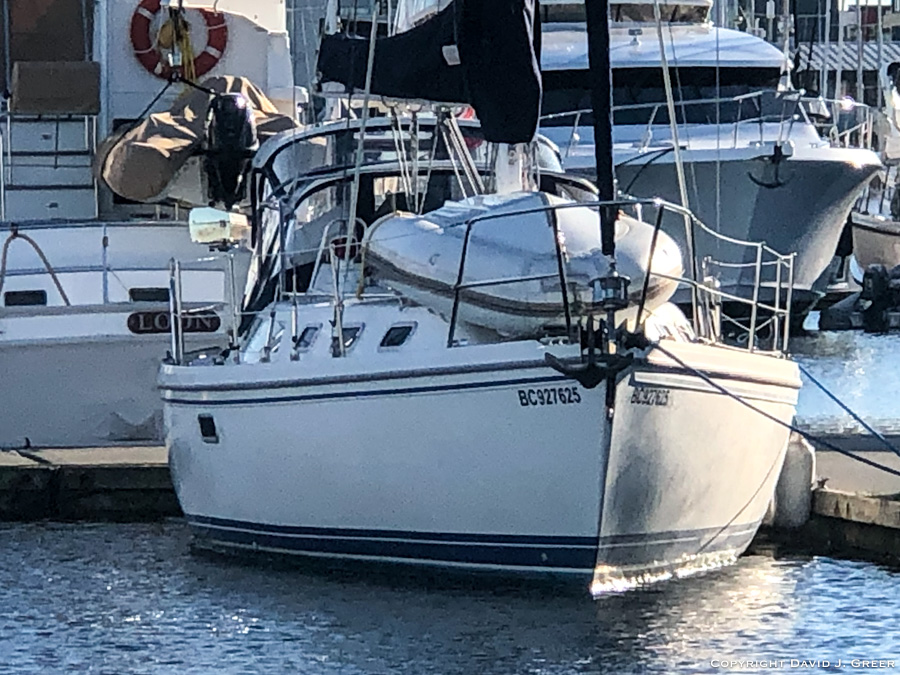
{"x":875,"y":299}
{"x":230,"y":143}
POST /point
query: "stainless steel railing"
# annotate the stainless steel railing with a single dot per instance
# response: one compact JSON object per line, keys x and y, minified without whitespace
{"x":767,"y":268}
{"x":704,"y":295}
{"x":848,"y":124}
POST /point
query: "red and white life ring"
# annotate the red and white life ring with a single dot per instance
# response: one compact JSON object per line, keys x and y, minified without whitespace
{"x":152,"y":59}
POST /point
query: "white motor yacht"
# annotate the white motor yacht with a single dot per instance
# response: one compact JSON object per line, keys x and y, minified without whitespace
{"x":84,"y":279}
{"x":755,"y":165}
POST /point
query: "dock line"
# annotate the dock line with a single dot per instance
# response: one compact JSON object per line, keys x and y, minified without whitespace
{"x":24,"y":452}
{"x":890,"y":446}
{"x":805,"y":434}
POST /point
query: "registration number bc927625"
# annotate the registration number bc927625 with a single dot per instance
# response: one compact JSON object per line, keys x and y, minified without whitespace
{"x":549,"y":396}
{"x":650,"y":396}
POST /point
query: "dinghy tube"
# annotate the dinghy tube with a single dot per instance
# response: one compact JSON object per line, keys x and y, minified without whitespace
{"x":419,"y":257}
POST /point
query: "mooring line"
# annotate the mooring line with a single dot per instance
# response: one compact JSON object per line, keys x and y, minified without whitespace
{"x":808,"y":436}
{"x":25,"y":451}
{"x":890,"y":446}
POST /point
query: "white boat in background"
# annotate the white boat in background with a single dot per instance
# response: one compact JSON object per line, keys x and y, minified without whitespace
{"x":875,"y":221}
{"x":876,"y":240}
{"x":358,"y":424}
{"x":756,"y":165}
{"x":84,"y":287}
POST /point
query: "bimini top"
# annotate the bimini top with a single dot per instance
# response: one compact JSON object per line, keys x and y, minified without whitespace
{"x":564,"y":47}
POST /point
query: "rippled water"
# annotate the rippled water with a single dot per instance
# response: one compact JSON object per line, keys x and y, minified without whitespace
{"x":863,"y":370}
{"x":133,"y":599}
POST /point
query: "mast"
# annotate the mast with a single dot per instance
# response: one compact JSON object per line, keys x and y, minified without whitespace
{"x":879,"y":90}
{"x":839,"y":68}
{"x":860,"y":87}
{"x":597,"y":13}
{"x":826,"y":51}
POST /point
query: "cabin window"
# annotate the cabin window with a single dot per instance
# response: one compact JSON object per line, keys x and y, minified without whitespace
{"x":24,"y":298}
{"x":148,"y":294}
{"x":275,"y":343}
{"x":351,"y":336}
{"x":307,"y":337}
{"x":625,"y":13}
{"x":397,"y":335}
{"x":208,"y":428}
{"x":639,"y":95}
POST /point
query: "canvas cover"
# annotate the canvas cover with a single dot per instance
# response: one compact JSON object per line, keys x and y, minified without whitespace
{"x":482,"y":52}
{"x":139,"y":164}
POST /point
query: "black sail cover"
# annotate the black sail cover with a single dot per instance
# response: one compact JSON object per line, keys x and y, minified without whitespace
{"x":485,"y":53}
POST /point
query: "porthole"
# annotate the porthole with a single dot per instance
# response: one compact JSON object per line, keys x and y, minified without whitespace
{"x":24,"y":298}
{"x":148,"y":294}
{"x":397,"y":335}
{"x":208,"y":428}
{"x":307,"y":337}
{"x":351,"y":335}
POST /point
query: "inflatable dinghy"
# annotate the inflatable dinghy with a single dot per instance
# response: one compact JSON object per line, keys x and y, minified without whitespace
{"x":513,"y":237}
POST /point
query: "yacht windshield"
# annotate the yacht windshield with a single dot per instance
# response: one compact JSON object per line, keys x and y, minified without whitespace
{"x":564,"y":12}
{"x":639,"y":95}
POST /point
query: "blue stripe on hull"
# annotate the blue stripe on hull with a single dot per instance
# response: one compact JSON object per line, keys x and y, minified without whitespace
{"x":565,"y":554}
{"x":365,"y":393}
{"x":428,"y":389}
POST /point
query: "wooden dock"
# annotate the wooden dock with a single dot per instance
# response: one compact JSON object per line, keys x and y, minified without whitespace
{"x":113,"y":483}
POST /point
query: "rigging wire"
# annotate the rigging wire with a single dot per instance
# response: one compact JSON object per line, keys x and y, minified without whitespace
{"x":357,"y":172}
{"x":719,"y":136}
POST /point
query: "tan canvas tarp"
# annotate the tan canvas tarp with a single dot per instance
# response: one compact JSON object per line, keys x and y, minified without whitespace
{"x":140,"y":163}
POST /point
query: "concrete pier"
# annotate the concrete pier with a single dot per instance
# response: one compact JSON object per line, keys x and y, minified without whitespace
{"x":115,"y":483}
{"x":846,"y":525}
{"x":839,"y":472}
{"x":855,"y":508}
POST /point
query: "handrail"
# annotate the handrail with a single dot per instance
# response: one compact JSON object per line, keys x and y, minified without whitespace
{"x":863,"y":129}
{"x":778,"y":312}
{"x":702,"y":324}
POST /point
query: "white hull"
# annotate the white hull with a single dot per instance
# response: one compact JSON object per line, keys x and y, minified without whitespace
{"x":806,"y":214}
{"x":85,"y":391}
{"x":876,"y":241}
{"x":475,"y":472}
{"x":84,"y":372}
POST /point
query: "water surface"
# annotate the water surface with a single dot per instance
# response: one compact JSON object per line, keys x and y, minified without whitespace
{"x":862,"y":370}
{"x":132,"y":598}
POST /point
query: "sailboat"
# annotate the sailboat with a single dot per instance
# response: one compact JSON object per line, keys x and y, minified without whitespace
{"x":366,"y":420}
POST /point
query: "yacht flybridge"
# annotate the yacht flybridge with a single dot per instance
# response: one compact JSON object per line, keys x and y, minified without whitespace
{"x":755,"y":166}
{"x":443,"y":362}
